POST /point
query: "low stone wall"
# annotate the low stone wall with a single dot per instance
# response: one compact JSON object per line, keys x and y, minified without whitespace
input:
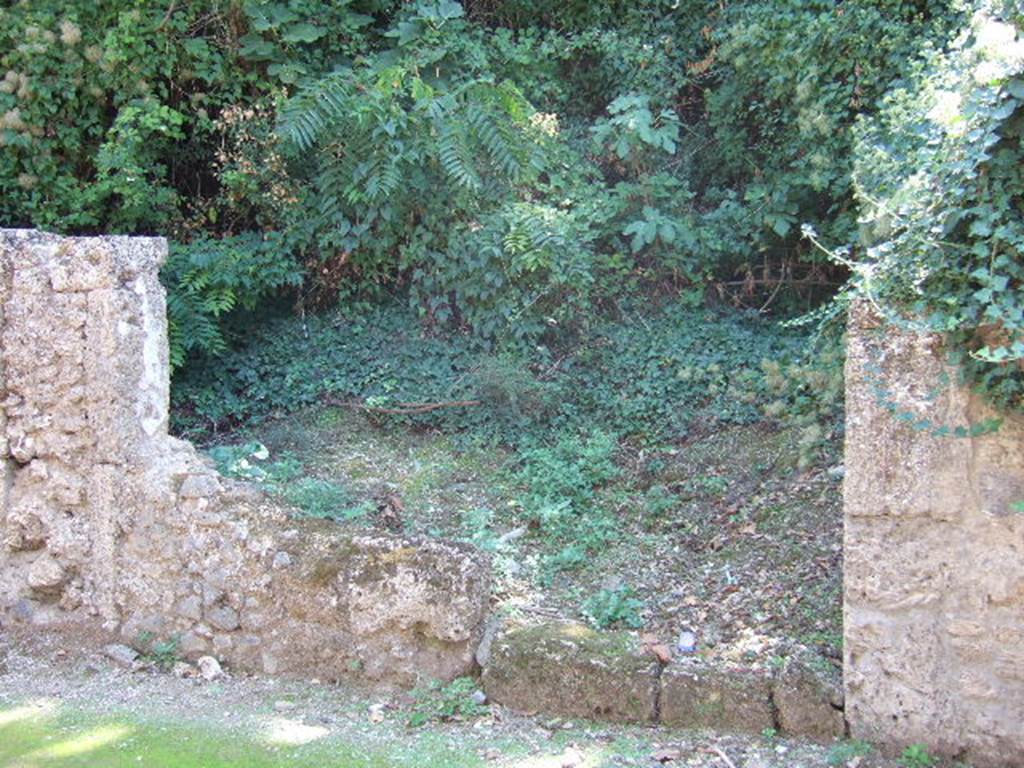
{"x":107,"y":523}
{"x":934,"y":553}
{"x":571,"y":670}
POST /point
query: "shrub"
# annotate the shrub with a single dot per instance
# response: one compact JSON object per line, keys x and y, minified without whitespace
{"x":520,"y":171}
{"x":940,"y":180}
{"x":611,"y":607}
{"x":209,"y":279}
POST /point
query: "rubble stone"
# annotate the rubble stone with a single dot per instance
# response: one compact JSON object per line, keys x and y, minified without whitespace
{"x":105,"y":518}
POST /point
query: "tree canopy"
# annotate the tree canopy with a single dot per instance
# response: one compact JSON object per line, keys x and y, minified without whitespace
{"x":514,"y":170}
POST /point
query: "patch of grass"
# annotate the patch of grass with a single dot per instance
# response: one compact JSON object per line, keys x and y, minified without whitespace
{"x":286,"y":477}
{"x":840,"y":754}
{"x":162,"y":653}
{"x":916,"y":756}
{"x":323,"y":499}
{"x":34,"y":737}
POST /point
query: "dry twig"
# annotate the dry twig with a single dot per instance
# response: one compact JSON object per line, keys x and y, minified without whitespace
{"x":403,"y":409}
{"x":724,"y":757}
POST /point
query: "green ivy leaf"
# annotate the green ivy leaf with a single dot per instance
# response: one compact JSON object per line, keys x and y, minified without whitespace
{"x":255,"y":48}
{"x":303,"y":33}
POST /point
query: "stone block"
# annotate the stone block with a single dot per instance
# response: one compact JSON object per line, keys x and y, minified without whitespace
{"x":721,"y":697}
{"x":441,"y":587}
{"x":934,"y":572}
{"x":808,"y":696}
{"x":46,"y":576}
{"x":223,"y":617}
{"x":571,"y":670}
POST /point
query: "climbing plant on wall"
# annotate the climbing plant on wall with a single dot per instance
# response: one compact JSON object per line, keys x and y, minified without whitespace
{"x":941,"y":188}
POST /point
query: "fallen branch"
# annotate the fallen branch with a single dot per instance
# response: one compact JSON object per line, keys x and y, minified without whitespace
{"x":403,"y":409}
{"x":775,"y":281}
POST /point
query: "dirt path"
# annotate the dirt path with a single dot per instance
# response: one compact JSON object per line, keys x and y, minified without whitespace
{"x":36,"y":671}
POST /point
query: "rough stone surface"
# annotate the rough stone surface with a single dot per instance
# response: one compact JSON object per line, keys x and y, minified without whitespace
{"x":808,"y":696}
{"x":121,"y":655}
{"x":209,"y":668}
{"x":108,"y":522}
{"x":570,"y":670}
{"x":934,"y":553}
{"x":697,"y":694}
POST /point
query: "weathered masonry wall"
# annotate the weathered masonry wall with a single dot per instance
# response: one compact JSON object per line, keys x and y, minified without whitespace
{"x":934,"y":551}
{"x":107,"y":523}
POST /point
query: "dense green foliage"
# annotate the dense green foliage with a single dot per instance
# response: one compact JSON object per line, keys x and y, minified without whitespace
{"x":213,"y":277}
{"x":522,"y":172}
{"x":940,"y":176}
{"x":513,"y":168}
{"x":663,"y":375}
{"x":631,"y":387}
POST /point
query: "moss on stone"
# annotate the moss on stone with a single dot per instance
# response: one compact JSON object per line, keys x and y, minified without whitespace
{"x":571,"y":669}
{"x":620,"y":648}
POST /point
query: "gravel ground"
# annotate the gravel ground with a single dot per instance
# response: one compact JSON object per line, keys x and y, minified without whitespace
{"x":45,"y":670}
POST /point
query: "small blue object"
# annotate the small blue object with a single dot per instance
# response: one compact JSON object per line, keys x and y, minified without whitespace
{"x":687,"y":642}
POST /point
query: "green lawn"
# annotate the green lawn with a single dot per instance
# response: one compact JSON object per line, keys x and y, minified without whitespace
{"x":40,"y":737}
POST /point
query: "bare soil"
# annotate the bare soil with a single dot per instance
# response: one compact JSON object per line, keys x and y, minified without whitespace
{"x":744,"y":550}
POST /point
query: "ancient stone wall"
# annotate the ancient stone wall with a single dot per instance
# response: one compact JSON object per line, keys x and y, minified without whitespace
{"x":934,"y":551}
{"x":109,"y":524}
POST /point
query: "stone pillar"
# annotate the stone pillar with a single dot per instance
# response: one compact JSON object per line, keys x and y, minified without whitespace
{"x":6,"y":470}
{"x":107,"y":521}
{"x":934,"y":553}
{"x":85,"y":386}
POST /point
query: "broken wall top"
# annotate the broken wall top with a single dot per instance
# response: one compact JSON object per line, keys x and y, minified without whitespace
{"x":108,"y":522}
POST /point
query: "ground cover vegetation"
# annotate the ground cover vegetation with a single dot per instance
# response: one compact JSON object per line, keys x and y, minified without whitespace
{"x":555,"y":255}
